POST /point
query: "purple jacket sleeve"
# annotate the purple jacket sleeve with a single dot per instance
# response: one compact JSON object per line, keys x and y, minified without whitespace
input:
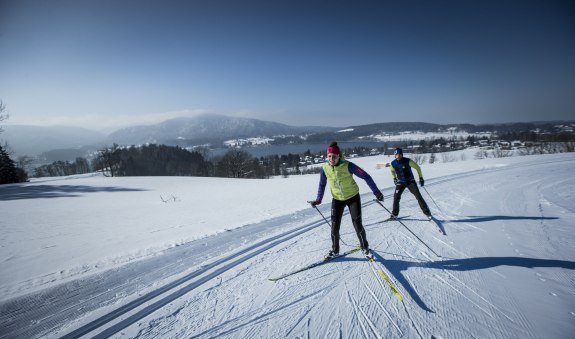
{"x":321,"y":188}
{"x":354,"y":169}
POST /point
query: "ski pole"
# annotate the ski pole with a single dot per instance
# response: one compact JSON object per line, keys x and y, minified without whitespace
{"x":327,"y":222}
{"x":432,"y":199}
{"x":317,"y":209}
{"x":402,"y":224}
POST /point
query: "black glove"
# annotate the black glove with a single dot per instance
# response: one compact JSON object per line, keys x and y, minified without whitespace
{"x":380,"y":197}
{"x":315,"y":202}
{"x":395,"y":181}
{"x":421,"y":182}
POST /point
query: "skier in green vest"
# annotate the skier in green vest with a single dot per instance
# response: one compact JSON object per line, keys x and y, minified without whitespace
{"x":345,"y":192}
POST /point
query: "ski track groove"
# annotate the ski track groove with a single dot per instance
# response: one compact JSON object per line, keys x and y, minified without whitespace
{"x":224,"y":265}
{"x":249,"y":318}
{"x":309,"y":308}
{"x":480,"y":296}
{"x":384,"y":288}
{"x":382,"y":308}
{"x":463,"y":295}
{"x":357,"y":312}
{"x":464,"y":255}
{"x":438,"y":278}
{"x":390,"y":295}
{"x":409,"y":316}
{"x":412,"y":321}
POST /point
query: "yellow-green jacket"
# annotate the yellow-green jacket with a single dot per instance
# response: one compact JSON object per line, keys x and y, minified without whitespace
{"x":341,"y":181}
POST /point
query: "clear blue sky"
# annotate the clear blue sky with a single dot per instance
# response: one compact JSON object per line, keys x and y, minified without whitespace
{"x":337,"y":63}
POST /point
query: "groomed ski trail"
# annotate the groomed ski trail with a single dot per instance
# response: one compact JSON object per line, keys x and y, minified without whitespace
{"x":229,"y":296}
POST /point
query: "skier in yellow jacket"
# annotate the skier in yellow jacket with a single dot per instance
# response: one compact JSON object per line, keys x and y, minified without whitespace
{"x":345,"y":192}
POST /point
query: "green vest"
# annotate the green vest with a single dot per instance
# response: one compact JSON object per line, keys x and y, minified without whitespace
{"x":341,"y":182}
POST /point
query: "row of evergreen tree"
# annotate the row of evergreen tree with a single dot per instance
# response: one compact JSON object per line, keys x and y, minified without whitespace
{"x":162,"y":160}
{"x":9,"y":172}
{"x":63,"y":168}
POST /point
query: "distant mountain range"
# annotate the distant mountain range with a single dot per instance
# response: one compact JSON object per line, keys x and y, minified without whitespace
{"x":207,"y":129}
{"x":65,"y":143}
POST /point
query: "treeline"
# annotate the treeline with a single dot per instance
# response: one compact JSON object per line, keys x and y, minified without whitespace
{"x":531,"y":136}
{"x":9,"y":172}
{"x":150,"y":160}
{"x":162,"y":160}
{"x":63,"y":168}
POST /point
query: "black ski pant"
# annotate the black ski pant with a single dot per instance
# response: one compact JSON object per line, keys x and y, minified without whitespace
{"x":337,"y":208}
{"x":412,"y":187}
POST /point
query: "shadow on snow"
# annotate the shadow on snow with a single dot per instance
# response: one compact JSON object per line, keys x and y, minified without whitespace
{"x":20,"y":192}
{"x":475,"y":218}
{"x":396,"y":267}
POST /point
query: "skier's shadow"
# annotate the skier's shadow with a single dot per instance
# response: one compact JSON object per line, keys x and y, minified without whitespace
{"x":24,"y":192}
{"x":476,"y":218}
{"x":397,"y":267}
{"x":395,"y":270}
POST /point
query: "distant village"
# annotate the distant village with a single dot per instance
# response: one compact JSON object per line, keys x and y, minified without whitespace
{"x":488,"y":144}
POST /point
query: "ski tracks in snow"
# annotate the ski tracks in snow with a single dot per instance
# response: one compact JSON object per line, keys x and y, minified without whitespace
{"x":229,"y":296}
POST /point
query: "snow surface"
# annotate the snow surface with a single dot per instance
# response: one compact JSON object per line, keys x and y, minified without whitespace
{"x":191,"y":257}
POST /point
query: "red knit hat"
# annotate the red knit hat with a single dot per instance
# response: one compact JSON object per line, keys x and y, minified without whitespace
{"x":333,"y":148}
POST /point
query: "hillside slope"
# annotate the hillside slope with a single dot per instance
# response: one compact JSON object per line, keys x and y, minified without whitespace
{"x":506,"y":269}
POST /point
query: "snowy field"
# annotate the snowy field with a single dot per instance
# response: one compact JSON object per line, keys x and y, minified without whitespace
{"x":176,"y":257}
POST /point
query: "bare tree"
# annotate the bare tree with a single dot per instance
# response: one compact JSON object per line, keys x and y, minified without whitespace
{"x":3,"y":115}
{"x":481,"y":154}
{"x":108,"y":160}
{"x":447,"y":157}
{"x":418,"y":158}
{"x":498,"y":152}
{"x":236,"y":164}
{"x":24,"y":162}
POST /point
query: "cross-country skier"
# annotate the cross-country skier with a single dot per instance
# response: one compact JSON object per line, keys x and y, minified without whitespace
{"x":345,"y":192}
{"x":403,"y":178}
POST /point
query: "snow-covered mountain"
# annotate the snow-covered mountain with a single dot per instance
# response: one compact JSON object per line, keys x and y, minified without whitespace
{"x":211,"y":128}
{"x":206,"y":128}
{"x":181,"y":257}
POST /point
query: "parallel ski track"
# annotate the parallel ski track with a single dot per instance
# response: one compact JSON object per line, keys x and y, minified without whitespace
{"x":368,"y":321}
{"x":382,"y":308}
{"x":167,"y":293}
{"x":175,"y":289}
